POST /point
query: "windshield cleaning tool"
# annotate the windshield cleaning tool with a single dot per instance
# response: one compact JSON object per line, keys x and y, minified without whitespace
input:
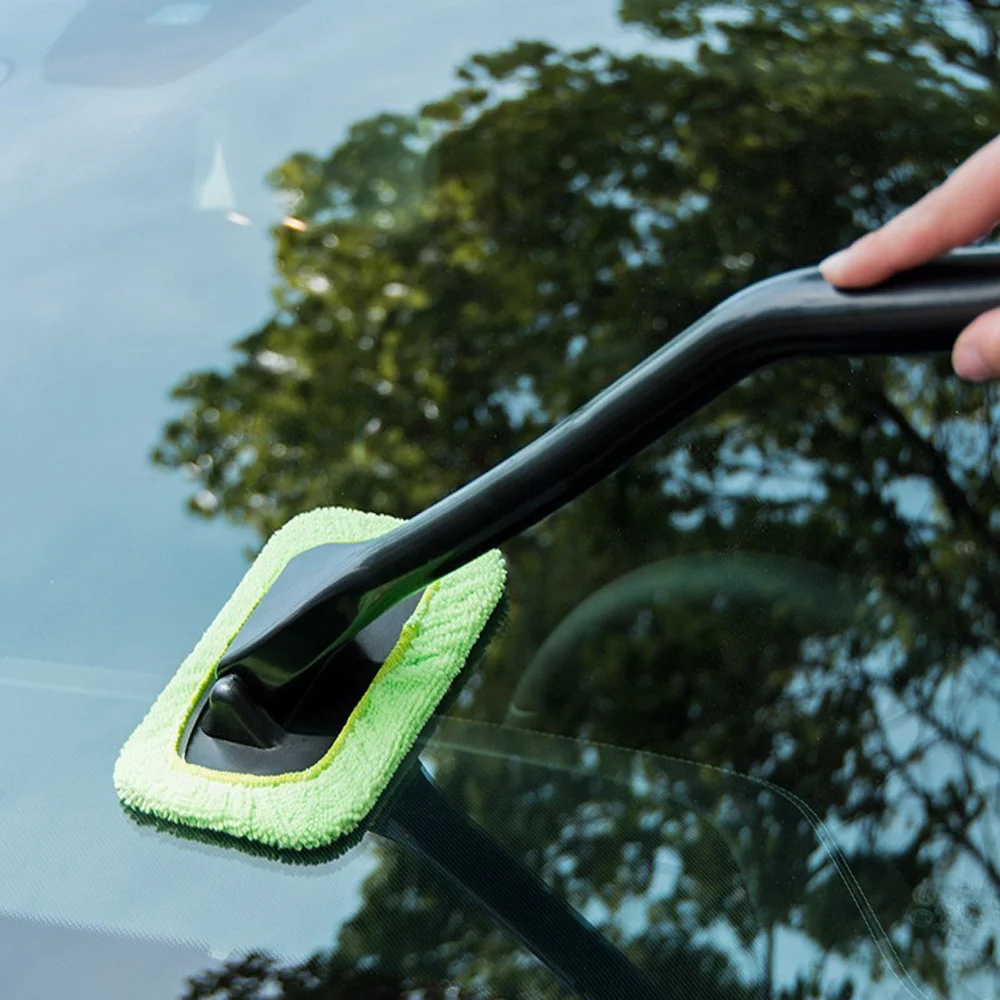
{"x":285,"y":724}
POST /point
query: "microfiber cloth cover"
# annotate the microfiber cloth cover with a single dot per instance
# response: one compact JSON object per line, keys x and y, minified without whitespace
{"x":312,"y":808}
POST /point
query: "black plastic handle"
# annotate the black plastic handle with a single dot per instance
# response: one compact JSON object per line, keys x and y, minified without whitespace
{"x":792,"y":315}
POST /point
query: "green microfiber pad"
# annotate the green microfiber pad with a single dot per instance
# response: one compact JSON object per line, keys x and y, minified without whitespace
{"x":309,"y":809}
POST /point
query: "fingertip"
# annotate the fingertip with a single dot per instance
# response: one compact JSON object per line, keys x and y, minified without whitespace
{"x":856,"y":266}
{"x":976,"y":355}
{"x":968,"y":361}
{"x":834,"y":267}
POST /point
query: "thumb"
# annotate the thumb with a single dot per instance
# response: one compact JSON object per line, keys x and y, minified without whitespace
{"x":976,"y":355}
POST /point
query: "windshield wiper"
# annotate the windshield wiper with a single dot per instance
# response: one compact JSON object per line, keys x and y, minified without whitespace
{"x":421,"y":819}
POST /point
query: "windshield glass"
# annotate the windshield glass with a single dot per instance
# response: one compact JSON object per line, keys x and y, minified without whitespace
{"x":743,"y":718}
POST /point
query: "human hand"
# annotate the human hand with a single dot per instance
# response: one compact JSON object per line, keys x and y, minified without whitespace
{"x":963,"y":209}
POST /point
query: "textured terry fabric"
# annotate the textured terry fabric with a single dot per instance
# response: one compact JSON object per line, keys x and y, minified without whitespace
{"x":312,"y":808}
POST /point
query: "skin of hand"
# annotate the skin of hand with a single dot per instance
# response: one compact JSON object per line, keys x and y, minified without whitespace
{"x":963,"y":209}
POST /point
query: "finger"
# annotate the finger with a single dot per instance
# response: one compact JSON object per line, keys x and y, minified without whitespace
{"x":964,"y":208}
{"x":976,"y":355}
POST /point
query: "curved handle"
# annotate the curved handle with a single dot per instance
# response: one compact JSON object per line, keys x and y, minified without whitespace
{"x":792,"y":315}
{"x":796,"y":314}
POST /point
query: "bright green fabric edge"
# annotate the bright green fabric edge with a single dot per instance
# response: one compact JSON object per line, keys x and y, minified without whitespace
{"x":313,"y":808}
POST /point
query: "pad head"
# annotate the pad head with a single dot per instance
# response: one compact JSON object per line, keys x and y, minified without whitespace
{"x":301,"y":810}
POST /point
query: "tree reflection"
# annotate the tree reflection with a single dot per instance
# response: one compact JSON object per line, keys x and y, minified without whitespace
{"x":468,"y":276}
{"x":260,"y":977}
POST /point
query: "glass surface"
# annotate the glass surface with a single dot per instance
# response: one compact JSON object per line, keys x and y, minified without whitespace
{"x":744,"y":718}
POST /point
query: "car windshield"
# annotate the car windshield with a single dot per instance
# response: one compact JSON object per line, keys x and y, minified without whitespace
{"x":739,"y":736}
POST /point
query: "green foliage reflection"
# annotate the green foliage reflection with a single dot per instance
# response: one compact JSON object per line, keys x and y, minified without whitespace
{"x":472,"y":273}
